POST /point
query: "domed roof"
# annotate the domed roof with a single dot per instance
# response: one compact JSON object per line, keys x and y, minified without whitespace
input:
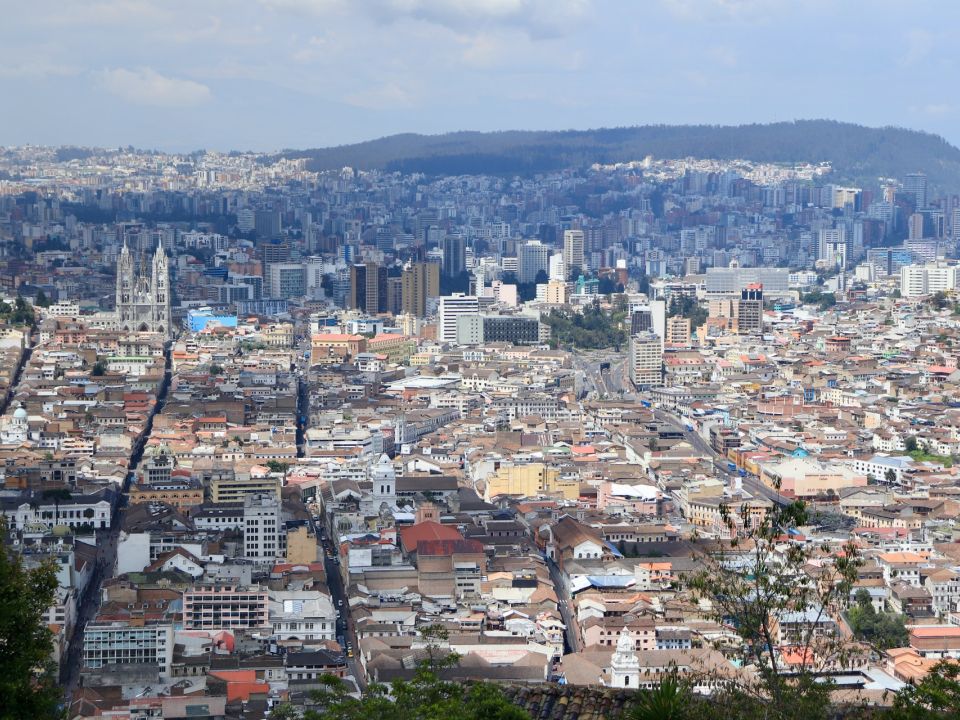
{"x":20,"y":413}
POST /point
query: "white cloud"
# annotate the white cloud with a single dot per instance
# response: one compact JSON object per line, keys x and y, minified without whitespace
{"x":145,"y":86}
{"x":934,"y":109}
{"x":723,"y":55}
{"x":125,"y":13}
{"x":319,"y":8}
{"x":723,"y":10}
{"x":537,"y":18}
{"x":918,"y":47}
{"x":382,"y":97}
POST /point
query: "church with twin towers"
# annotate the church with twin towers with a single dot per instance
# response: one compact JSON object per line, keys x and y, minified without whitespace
{"x":143,"y":296}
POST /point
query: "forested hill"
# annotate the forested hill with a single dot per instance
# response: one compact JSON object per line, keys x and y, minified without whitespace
{"x":857,"y":152}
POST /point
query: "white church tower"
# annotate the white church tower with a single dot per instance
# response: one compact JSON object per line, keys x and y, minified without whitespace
{"x":625,"y":665}
{"x":384,"y":479}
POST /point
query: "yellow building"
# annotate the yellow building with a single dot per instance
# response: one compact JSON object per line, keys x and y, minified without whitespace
{"x":278,"y":335}
{"x":678,"y":332}
{"x":301,"y":545}
{"x":556,"y":292}
{"x":530,"y":480}
{"x":397,"y":348}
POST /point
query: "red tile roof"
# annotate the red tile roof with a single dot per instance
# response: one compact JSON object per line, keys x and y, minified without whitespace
{"x":448,"y":547}
{"x":412,"y":535}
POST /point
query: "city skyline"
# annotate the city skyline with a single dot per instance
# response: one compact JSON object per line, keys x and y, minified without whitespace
{"x":298,"y":73}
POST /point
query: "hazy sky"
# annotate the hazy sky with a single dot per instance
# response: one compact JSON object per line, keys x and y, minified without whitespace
{"x":268,"y":74}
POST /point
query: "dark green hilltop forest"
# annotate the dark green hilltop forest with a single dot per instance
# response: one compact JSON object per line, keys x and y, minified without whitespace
{"x":856,"y":152}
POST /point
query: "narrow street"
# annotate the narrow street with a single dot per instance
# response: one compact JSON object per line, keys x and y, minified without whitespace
{"x":24,"y":359}
{"x":345,"y":628}
{"x":107,"y":541}
{"x":563,"y":594}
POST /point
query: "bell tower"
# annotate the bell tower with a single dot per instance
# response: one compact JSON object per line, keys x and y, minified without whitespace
{"x":625,"y":665}
{"x":124,"y":287}
{"x":159,"y":283}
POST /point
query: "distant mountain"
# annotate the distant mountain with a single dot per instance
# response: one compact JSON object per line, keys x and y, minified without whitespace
{"x":857,"y":153}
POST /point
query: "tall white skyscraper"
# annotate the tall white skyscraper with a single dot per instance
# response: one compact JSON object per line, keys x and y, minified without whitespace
{"x":558,"y":269}
{"x":533,"y":258}
{"x":573,"y":250}
{"x":450,"y":308}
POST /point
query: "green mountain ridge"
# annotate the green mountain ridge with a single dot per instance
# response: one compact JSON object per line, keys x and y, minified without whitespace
{"x":857,"y":153}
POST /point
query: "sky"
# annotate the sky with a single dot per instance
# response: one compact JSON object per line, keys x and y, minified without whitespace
{"x":270,"y":74}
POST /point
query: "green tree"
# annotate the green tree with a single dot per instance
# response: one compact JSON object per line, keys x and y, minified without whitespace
{"x":890,"y":476}
{"x":754,"y":586}
{"x":216,"y":370}
{"x":278,"y":467}
{"x":20,"y":313}
{"x":99,"y":369}
{"x":882,"y":630}
{"x":910,"y":444}
{"x":938,"y":301}
{"x":28,"y":685}
{"x":42,"y":300}
{"x":593,"y":328}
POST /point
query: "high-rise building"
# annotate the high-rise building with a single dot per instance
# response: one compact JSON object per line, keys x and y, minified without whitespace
{"x":274,"y":251}
{"x":246,"y":219}
{"x":658,"y":319}
{"x":263,"y":528}
{"x":832,"y":247}
{"x":678,"y":332}
{"x":641,"y":320}
{"x":454,"y":255}
{"x":750,"y":310}
{"x":915,"y":227}
{"x":533,"y":259}
{"x":922,"y":250}
{"x":450,"y":308}
{"x":368,"y":288}
{"x":314,"y":272}
{"x":286,"y":280}
{"x":394,"y":295}
{"x":267,"y":223}
{"x":557,"y":269}
{"x":915,"y":187}
{"x":646,"y":360}
{"x":573,"y":256}
{"x":419,"y":281}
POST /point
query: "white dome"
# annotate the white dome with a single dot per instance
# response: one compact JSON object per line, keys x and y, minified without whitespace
{"x":20,"y":413}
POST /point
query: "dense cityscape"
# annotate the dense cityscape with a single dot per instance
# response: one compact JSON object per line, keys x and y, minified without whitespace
{"x":272,"y":425}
